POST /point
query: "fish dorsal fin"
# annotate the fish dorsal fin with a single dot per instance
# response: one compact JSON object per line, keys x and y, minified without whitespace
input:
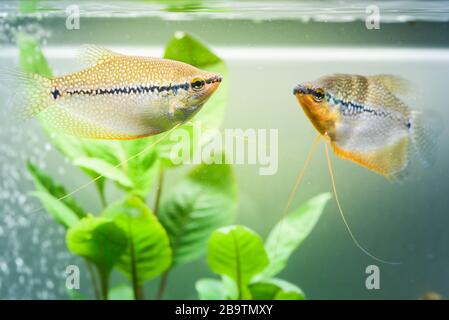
{"x":91,"y":55}
{"x":395,"y":84}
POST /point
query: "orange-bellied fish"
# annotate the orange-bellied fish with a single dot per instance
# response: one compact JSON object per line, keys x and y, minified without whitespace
{"x":118,"y":96}
{"x":366,"y":122}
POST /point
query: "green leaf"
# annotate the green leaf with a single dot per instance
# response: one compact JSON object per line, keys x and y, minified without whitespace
{"x":107,"y":150}
{"x":143,"y":168}
{"x":139,"y":166}
{"x":182,"y":138}
{"x":57,"y":209}
{"x":44,"y":183}
{"x":28,"y":6}
{"x":105,"y":169}
{"x":275,"y":289}
{"x":98,"y":240}
{"x":31,"y":58}
{"x":121,"y":292}
{"x":148,"y":253}
{"x":205,"y":200}
{"x":238,"y":253}
{"x":231,"y":289}
{"x":186,"y":48}
{"x":70,"y":146}
{"x":181,"y":145}
{"x":210,"y":289}
{"x":74,"y":148}
{"x":185,"y":5}
{"x":289,"y":233}
{"x":214,"y":289}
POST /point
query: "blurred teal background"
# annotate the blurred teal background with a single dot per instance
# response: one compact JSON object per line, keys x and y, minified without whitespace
{"x":267,"y":52}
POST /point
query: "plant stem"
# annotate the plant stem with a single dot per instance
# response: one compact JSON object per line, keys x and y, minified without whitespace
{"x":93,"y":277}
{"x":137,"y":289}
{"x":104,"y":277}
{"x":159,"y":192}
{"x":164,"y":277}
{"x":238,"y":271}
{"x":140,"y":293}
{"x":162,"y":285}
{"x":101,"y":194}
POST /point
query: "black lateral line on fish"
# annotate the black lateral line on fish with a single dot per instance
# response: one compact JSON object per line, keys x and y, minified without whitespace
{"x":131,"y":89}
{"x":127,"y":90}
{"x":351,"y":108}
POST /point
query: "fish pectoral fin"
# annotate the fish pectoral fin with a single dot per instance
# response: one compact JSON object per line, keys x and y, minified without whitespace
{"x":171,"y":112}
{"x":172,"y":109}
{"x":91,"y":55}
{"x":395,"y":84}
{"x":389,"y":161}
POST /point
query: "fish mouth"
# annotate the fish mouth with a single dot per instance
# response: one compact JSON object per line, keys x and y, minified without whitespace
{"x":215,"y":78}
{"x":301,"y":89}
{"x":213,"y":82}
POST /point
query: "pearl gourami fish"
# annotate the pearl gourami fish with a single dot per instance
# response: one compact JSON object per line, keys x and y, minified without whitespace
{"x":363,"y":119}
{"x":117,"y":96}
{"x":366,"y":122}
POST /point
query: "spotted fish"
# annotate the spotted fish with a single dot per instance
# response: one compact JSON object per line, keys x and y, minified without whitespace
{"x":117,"y":96}
{"x":366,"y":122}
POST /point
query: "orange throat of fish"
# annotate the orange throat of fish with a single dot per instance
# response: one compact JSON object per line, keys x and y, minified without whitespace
{"x":319,"y":114}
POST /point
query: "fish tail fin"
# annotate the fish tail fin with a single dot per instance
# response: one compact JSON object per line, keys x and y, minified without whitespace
{"x":340,"y":210}
{"x":30,"y":93}
{"x":425,"y":130}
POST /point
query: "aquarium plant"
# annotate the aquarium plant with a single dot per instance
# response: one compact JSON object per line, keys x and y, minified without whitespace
{"x":249,"y":267}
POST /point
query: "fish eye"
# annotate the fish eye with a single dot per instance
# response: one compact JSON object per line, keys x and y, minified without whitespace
{"x":197,"y":84}
{"x":318,"y":95}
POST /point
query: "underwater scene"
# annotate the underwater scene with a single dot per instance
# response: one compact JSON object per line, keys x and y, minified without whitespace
{"x":224,"y":150}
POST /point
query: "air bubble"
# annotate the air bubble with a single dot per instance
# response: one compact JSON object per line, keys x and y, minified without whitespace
{"x":19,"y":262}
